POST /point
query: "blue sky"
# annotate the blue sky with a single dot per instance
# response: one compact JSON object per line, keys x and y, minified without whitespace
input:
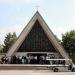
{"x":15,"y":14}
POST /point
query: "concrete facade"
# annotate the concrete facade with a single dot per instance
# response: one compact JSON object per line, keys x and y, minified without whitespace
{"x":45,"y":27}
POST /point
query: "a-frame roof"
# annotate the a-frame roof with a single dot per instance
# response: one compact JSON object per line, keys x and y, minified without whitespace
{"x":49,"y":33}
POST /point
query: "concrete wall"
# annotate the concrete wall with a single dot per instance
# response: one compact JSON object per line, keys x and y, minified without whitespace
{"x":48,"y":54}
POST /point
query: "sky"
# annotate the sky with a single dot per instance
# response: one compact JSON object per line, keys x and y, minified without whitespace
{"x":15,"y":14}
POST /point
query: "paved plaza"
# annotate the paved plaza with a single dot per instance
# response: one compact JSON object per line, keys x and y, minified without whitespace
{"x":33,"y":72}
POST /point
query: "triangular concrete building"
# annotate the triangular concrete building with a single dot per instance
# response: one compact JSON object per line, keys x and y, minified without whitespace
{"x":32,"y":39}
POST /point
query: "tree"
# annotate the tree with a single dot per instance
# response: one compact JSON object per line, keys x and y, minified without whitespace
{"x":68,"y":42}
{"x":9,"y":40}
{"x":1,"y":48}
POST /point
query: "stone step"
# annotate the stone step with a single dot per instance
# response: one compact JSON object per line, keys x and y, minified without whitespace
{"x":22,"y":67}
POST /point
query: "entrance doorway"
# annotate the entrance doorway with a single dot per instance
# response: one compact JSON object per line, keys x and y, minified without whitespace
{"x":37,"y":58}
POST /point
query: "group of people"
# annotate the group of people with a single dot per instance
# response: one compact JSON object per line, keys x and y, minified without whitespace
{"x":19,"y":60}
{"x":29,"y":60}
{"x":4,"y":60}
{"x":23,"y":60}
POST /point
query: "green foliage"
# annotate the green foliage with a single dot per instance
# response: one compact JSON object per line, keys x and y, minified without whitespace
{"x":9,"y":40}
{"x":68,"y":42}
{"x":1,"y":48}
